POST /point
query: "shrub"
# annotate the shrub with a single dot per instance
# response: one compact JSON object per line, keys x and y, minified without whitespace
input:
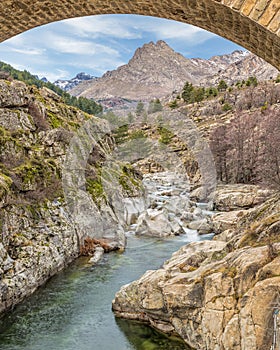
{"x":173,"y":104}
{"x":165,"y":135}
{"x":227,"y":107}
{"x":222,"y":86}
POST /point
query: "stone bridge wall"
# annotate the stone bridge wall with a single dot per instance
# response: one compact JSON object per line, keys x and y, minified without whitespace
{"x":253,"y":24}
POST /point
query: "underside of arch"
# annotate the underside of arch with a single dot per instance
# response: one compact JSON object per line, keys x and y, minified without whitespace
{"x":252,"y":24}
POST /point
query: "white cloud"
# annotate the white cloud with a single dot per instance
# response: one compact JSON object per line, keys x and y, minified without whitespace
{"x":29,"y":51}
{"x":167,"y":29}
{"x":53,"y":75}
{"x":134,"y":27}
{"x":68,"y":45}
{"x":100,"y":65}
{"x":100,"y":26}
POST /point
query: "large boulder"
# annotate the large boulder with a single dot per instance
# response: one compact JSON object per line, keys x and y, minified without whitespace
{"x":226,"y":220}
{"x":203,"y":226}
{"x":133,"y":207}
{"x":238,"y":196}
{"x":154,"y":223}
{"x":212,"y":298}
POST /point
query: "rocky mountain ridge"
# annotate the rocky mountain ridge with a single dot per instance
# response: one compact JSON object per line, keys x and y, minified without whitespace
{"x":67,"y":85}
{"x":156,"y":70}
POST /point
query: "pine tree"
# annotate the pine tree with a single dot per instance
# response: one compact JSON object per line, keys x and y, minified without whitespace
{"x":187,"y":92}
{"x":222,"y":85}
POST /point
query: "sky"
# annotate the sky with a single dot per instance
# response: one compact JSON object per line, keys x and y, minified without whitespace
{"x":96,"y":44}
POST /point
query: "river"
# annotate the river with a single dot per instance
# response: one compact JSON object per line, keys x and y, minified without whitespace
{"x":73,"y":309}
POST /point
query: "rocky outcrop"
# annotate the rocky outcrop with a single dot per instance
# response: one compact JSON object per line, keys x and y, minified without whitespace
{"x":216,"y":294}
{"x":212,"y":298}
{"x":232,"y":201}
{"x":237,"y":196}
{"x":226,"y":220}
{"x":39,"y":233}
{"x":35,"y":244}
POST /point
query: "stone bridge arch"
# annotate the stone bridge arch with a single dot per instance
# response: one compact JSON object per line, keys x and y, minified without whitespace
{"x":253,"y":24}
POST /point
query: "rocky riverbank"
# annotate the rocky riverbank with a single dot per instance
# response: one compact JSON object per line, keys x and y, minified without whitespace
{"x":217,"y":294}
{"x":39,"y":233}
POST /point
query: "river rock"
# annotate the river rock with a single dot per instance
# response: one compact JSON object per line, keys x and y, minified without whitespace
{"x":177,"y":226}
{"x":99,"y":252}
{"x":154,"y":223}
{"x":226,"y":220}
{"x":177,"y":205}
{"x":133,"y":207}
{"x":197,"y":212}
{"x":202,"y":226}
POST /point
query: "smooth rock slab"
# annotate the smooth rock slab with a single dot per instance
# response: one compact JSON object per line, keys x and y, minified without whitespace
{"x":238,"y":196}
{"x":211,"y":297}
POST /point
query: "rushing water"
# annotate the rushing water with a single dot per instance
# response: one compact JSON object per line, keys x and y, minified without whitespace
{"x":73,"y":310}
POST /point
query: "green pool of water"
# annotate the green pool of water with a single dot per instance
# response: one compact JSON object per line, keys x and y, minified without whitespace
{"x":73,"y":310}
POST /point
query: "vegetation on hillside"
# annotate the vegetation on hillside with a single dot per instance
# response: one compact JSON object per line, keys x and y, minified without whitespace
{"x":245,"y":140}
{"x":154,"y":106}
{"x":246,"y":149}
{"x":86,"y":105}
{"x":192,"y":94}
{"x":241,"y":121}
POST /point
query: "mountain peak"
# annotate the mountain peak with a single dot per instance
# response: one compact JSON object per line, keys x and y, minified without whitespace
{"x":159,"y":45}
{"x":160,"y":48}
{"x":163,"y":44}
{"x":70,"y":84}
{"x":156,"y":70}
{"x":83,"y":76}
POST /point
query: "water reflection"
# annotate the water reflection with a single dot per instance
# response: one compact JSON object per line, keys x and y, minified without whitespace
{"x":143,"y":337}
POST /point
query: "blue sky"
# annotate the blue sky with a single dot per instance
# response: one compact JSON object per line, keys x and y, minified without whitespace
{"x":96,"y":44}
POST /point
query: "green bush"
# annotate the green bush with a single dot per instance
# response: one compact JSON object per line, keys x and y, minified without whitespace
{"x":173,"y":104}
{"x":137,"y":134}
{"x":227,"y":107}
{"x":222,"y":86}
{"x":165,"y":135}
